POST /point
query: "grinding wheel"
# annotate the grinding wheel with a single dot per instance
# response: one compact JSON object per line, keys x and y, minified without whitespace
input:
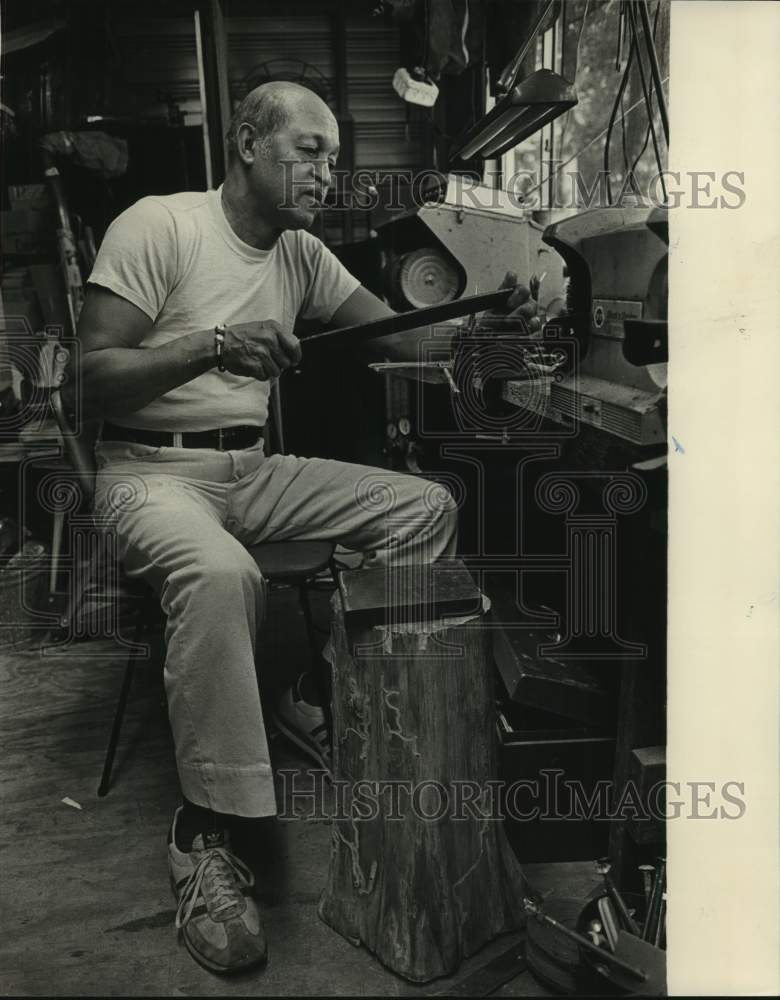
{"x":427,"y":277}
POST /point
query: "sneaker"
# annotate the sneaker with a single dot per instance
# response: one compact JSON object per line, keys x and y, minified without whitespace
{"x":218,"y":918}
{"x":305,"y":726}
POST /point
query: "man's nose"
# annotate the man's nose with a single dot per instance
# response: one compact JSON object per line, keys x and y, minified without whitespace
{"x":324,"y":174}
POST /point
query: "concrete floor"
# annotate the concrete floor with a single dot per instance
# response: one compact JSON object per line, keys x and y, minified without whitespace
{"x":87,"y":909}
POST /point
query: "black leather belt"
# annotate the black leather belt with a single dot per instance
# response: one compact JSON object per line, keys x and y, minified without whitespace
{"x":220,"y":439}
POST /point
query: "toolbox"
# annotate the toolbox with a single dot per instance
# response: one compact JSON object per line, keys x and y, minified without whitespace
{"x":556,"y":785}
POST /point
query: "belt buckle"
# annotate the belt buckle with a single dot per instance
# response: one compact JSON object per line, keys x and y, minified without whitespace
{"x":219,"y":439}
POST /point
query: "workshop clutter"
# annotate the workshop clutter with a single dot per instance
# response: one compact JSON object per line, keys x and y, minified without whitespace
{"x":105,"y":155}
{"x":47,"y":253}
{"x":40,"y":231}
{"x":611,"y":943}
{"x":27,"y":231}
{"x":38,"y":305}
{"x":439,"y":37}
{"x":35,"y":311}
{"x":32,"y":356}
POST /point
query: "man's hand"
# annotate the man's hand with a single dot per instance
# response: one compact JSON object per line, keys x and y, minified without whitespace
{"x":522,"y":302}
{"x":259,"y":350}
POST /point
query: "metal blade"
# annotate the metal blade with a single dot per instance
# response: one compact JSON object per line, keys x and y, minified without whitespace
{"x":401,"y":322}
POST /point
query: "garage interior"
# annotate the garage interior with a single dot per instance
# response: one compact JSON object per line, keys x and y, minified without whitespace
{"x":105,"y":103}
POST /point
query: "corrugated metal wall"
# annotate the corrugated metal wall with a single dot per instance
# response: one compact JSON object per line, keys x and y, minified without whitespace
{"x":155,"y":60}
{"x":157,"y":63}
{"x":380,"y":115}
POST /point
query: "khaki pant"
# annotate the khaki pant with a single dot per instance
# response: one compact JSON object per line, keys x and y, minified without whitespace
{"x":183,"y":518}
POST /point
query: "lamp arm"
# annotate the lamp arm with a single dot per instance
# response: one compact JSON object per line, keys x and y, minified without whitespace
{"x":509,"y":73}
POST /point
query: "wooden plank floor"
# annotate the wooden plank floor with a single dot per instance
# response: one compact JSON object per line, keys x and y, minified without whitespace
{"x":87,"y":909}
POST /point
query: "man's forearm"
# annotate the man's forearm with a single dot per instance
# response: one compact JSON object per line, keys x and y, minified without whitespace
{"x":119,"y":380}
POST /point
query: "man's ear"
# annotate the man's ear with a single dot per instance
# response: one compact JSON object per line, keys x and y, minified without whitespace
{"x":245,"y":143}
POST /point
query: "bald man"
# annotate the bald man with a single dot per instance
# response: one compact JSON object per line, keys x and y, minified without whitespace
{"x":188,"y":317}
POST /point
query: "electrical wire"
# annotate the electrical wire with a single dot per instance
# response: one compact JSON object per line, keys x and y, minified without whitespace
{"x":635,"y":45}
{"x":655,"y":69}
{"x":576,"y":64}
{"x":610,"y":126}
{"x":641,"y":152}
{"x":579,"y":36}
{"x":587,"y":145}
{"x":627,"y":174}
{"x":612,"y":117}
{"x":623,"y":146}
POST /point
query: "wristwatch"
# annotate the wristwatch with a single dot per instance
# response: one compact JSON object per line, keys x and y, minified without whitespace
{"x":219,"y":343}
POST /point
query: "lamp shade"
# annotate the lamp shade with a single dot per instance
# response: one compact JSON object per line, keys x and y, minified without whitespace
{"x":529,"y":106}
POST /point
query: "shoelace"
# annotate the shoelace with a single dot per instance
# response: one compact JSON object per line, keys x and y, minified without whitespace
{"x":225,"y":870}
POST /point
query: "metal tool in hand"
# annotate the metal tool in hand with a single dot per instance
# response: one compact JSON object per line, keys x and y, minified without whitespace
{"x":347,"y":336}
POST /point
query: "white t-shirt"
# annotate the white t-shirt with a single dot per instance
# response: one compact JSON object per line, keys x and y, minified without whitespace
{"x":176,"y":258}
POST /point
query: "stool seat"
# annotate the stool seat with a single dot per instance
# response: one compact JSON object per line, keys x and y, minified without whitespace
{"x":291,"y":561}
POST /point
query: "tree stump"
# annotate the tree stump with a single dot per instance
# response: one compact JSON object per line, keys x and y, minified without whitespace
{"x":420,"y":870}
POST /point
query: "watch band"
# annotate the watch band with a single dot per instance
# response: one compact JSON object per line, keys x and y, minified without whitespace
{"x":219,"y":343}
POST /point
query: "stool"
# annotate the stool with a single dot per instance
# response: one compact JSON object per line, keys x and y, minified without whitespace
{"x":293,"y":563}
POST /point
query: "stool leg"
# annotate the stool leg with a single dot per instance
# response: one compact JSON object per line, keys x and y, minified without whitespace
{"x":56,"y":548}
{"x":83,"y":578}
{"x":113,"y":740}
{"x":318,"y":664}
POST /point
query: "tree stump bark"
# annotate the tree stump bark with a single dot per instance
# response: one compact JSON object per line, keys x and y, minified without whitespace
{"x":420,"y":870}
